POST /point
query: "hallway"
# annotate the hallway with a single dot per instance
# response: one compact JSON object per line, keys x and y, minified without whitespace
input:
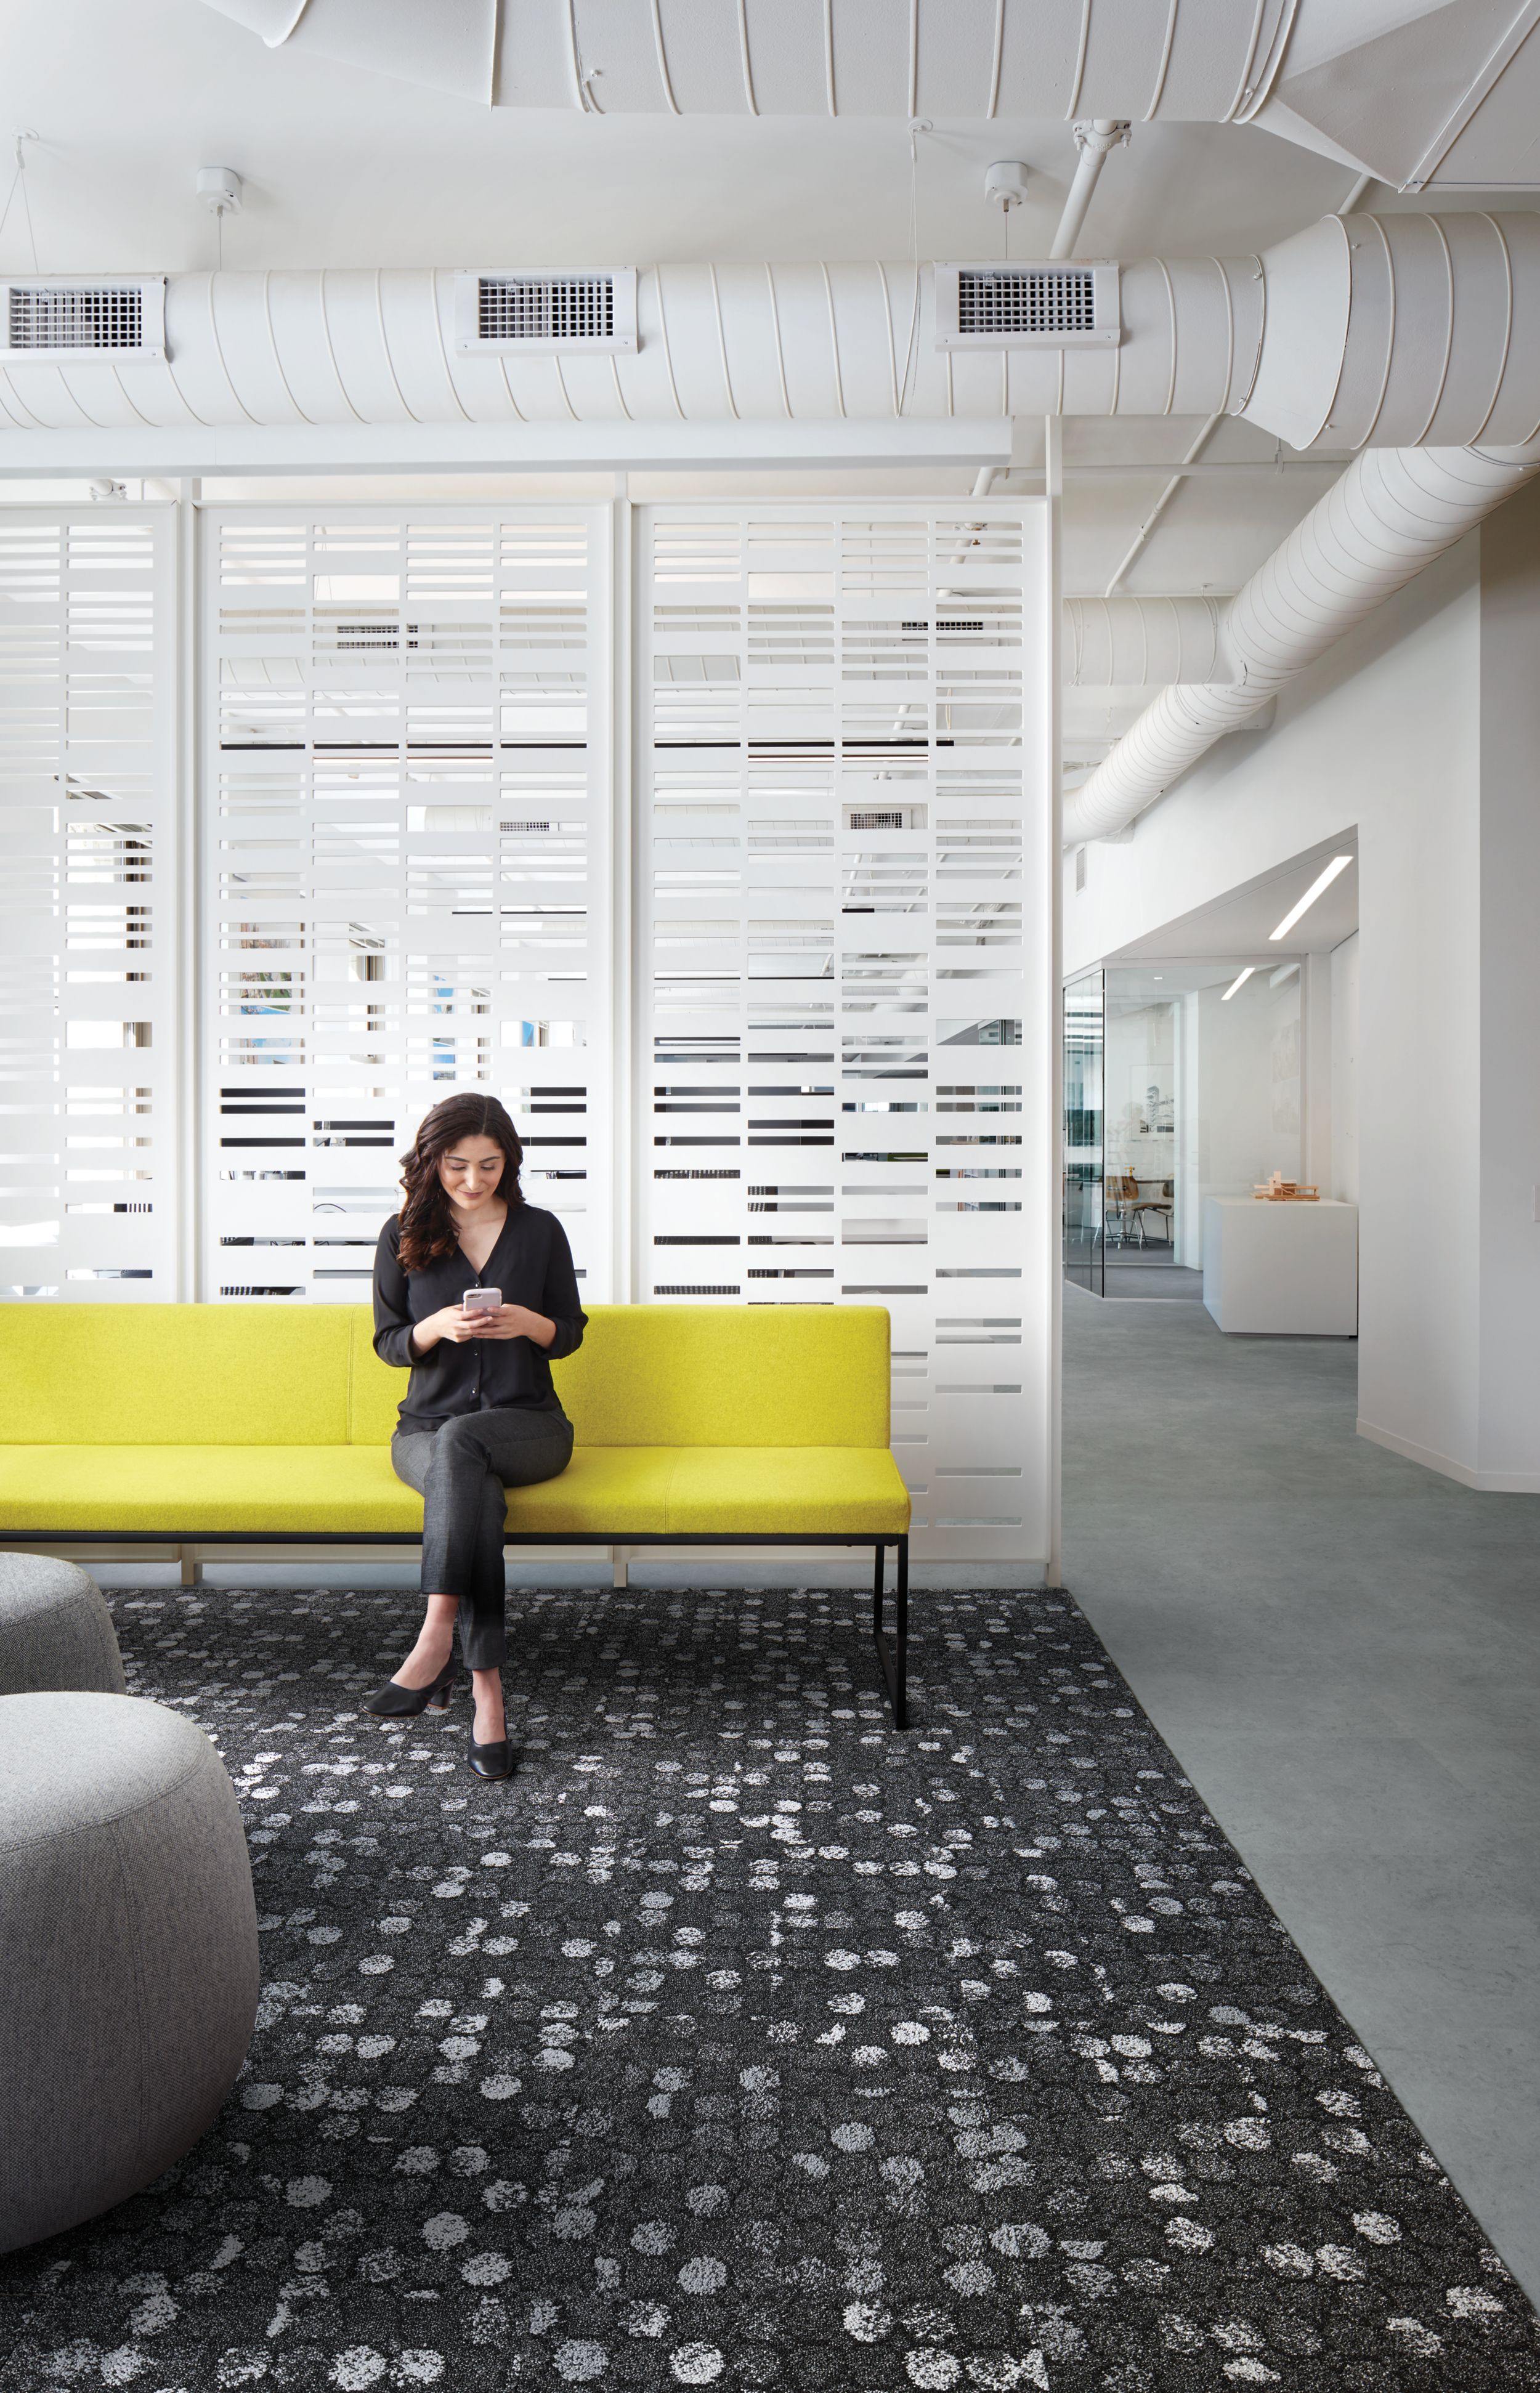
{"x":1342,"y":1648}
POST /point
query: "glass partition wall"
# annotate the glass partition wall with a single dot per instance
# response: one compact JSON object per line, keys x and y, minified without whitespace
{"x":1181,"y":1081}
{"x":1083,"y":1244}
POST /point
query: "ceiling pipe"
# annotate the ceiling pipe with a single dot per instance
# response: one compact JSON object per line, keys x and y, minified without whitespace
{"x":984,"y":483}
{"x":1398,"y":87}
{"x":1340,"y":337}
{"x":1391,"y":514}
{"x":1140,"y":540}
{"x":1186,"y":61}
{"x":1142,"y":642}
{"x":1096,"y":137}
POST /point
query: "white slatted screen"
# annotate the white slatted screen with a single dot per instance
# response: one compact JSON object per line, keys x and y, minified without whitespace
{"x":88,"y":1064}
{"x":408,"y":871}
{"x":408,"y":885}
{"x":846,"y":1048}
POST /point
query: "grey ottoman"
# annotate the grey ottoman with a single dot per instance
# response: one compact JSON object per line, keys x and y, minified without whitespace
{"x":54,"y":1630}
{"x":128,"y":1965}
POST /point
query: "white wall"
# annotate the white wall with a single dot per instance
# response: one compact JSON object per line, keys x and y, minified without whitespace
{"x":1189,"y":1219}
{"x":1343,"y":1180}
{"x":1384,"y":733}
{"x":1505,"y":1182}
{"x":1316,"y":1068}
{"x":1248,"y":1120}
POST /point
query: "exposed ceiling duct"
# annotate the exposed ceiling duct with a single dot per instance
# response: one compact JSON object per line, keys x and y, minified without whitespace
{"x":1317,"y":340}
{"x":1390,"y":515}
{"x":1142,"y":642}
{"x":1413,"y":92}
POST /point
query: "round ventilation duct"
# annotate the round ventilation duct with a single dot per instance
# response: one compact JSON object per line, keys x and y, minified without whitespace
{"x":952,"y":59}
{"x":1316,"y":340}
{"x":1126,"y":643}
{"x":1402,"y":89}
{"x":1390,"y":515}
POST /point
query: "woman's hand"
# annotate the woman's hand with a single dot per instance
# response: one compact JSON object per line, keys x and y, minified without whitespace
{"x":450,"y":1322}
{"x":515,"y":1321}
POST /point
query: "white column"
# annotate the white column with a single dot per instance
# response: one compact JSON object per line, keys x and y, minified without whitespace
{"x":1315,"y":1072}
{"x":1503,"y":1179}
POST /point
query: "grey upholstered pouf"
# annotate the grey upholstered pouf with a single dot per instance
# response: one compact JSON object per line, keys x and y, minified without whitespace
{"x":54,"y":1630}
{"x":128,"y":1964}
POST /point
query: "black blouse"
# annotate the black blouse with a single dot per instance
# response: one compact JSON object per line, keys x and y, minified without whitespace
{"x":532,"y":1264}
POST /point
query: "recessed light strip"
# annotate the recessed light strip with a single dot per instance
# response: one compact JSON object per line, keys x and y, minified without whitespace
{"x":1318,"y":888}
{"x":1239,"y":982}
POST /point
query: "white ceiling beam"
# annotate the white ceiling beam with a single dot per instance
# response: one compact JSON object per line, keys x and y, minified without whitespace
{"x":128,"y":453}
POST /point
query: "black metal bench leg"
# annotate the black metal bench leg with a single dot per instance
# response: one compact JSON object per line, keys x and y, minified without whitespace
{"x":894,"y":1658}
{"x":901,"y":1697}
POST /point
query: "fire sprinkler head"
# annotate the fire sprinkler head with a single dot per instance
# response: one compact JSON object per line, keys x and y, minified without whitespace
{"x":219,"y":187}
{"x":1005,"y":182}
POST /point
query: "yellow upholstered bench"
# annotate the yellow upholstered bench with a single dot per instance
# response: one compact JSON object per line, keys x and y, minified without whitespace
{"x":245,"y":1424}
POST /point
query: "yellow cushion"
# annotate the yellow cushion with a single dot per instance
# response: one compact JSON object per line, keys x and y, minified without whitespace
{"x":173,"y":1374}
{"x":610,"y":1491}
{"x":695,"y":1375}
{"x":786,"y":1490}
{"x":374,"y":1388}
{"x":238,"y":1375}
{"x":182,"y":1489}
{"x":729,"y":1375}
{"x":603,"y":1490}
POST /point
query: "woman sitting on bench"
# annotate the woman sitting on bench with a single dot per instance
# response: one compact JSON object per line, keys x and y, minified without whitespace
{"x":474,"y":1293}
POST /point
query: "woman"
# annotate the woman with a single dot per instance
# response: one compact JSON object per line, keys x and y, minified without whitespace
{"x":480,"y":1414}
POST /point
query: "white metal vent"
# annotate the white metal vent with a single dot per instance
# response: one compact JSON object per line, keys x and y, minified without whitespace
{"x":540,"y":311}
{"x":896,"y":818}
{"x":1037,"y":304}
{"x":367,"y":635}
{"x":72,"y":317}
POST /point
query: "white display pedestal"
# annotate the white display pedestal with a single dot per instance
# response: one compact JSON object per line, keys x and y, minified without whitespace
{"x":1284,"y":1269}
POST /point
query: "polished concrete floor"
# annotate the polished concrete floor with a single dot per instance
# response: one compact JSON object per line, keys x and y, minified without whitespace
{"x":1344,"y":1651}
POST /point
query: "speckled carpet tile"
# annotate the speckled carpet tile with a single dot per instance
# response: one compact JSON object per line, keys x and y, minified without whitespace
{"x":741,"y":2041}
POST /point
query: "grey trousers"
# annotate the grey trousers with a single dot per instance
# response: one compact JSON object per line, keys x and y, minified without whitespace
{"x":461,"y":1470}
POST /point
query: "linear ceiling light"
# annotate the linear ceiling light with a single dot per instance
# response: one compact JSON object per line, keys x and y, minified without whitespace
{"x":1239,"y":982}
{"x":1338,"y":864}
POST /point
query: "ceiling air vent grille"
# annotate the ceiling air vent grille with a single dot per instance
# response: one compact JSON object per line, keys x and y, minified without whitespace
{"x":1037,"y":304}
{"x":545,"y":308}
{"x":73,"y":318}
{"x":1038,"y":301}
{"x":544,"y":311}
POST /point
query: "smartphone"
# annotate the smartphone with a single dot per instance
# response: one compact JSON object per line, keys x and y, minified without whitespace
{"x":480,"y":1300}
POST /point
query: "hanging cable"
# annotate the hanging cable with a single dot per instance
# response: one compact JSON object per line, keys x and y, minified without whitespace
{"x":918,"y":125}
{"x":18,"y":183}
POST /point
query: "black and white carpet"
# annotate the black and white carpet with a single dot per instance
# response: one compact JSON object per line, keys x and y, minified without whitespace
{"x":739,"y":2041}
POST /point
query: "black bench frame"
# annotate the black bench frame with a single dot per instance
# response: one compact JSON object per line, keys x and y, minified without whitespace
{"x":891,"y":1655}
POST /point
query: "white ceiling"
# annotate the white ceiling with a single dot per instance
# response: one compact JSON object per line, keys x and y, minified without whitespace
{"x":1237,"y":928}
{"x":127,"y":98}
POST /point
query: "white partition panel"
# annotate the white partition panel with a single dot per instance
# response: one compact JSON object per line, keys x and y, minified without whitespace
{"x":88,"y":932}
{"x":815,"y":978}
{"x":407,"y":871}
{"x":840,"y":819}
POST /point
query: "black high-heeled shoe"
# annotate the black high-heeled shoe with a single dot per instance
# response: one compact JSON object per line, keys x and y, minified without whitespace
{"x":405,"y":1703}
{"x":494,"y":1760}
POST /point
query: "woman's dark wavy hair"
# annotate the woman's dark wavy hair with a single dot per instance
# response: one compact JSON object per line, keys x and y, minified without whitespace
{"x":427,"y":1224}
